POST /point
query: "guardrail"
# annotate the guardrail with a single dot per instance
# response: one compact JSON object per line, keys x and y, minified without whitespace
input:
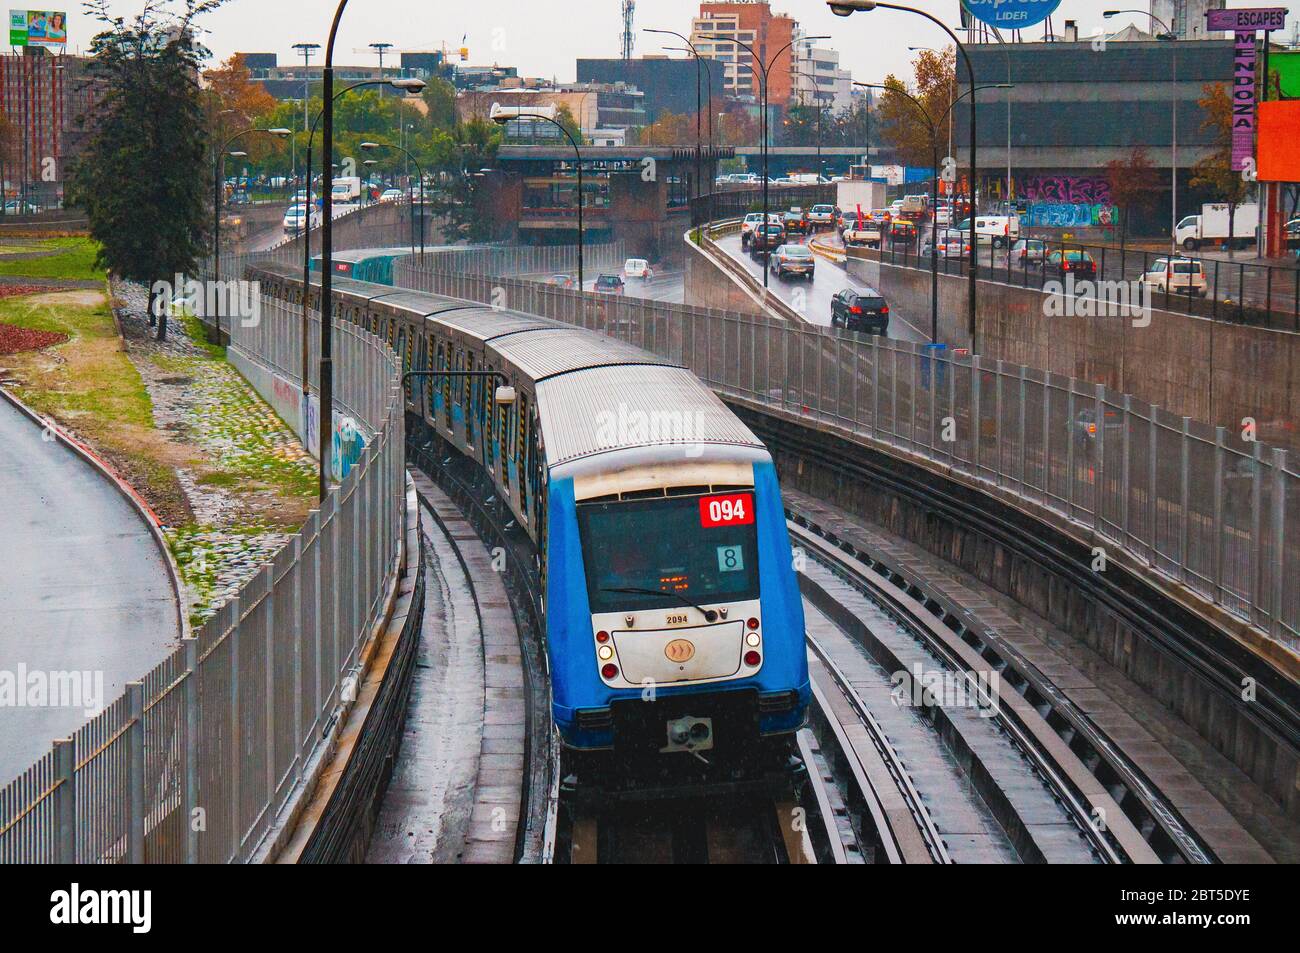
{"x":753,"y":287}
{"x":195,"y":761}
{"x":1199,"y":506}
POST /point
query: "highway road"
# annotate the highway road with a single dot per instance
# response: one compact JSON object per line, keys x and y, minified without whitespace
{"x":828,"y":280}
{"x":84,"y":590}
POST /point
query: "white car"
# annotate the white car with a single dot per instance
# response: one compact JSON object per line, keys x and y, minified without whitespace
{"x":822,"y":215}
{"x":1177,"y":276}
{"x":391,"y":195}
{"x":297,"y":216}
{"x":637,"y":268}
{"x":751,"y":222}
{"x":942,"y":215}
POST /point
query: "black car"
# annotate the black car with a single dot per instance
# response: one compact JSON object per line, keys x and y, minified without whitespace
{"x":764,"y":238}
{"x":863,"y":310}
{"x":1070,"y":261}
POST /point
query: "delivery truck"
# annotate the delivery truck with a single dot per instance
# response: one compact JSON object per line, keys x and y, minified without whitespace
{"x":1211,"y":226}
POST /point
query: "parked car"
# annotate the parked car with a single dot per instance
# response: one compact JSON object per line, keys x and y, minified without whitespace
{"x":863,"y":310}
{"x":1000,"y":231}
{"x":795,"y":221}
{"x":1029,"y":251}
{"x":821,"y":215}
{"x":765,"y":238}
{"x":637,"y":268}
{"x":609,"y":284}
{"x":1177,"y":276}
{"x":796,"y":260}
{"x":562,"y":281}
{"x":1067,"y":261}
{"x":16,"y":207}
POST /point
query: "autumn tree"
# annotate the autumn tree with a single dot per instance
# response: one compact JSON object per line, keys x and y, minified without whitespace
{"x":1133,"y":183}
{"x":668,"y":129}
{"x":901,"y":124}
{"x":1215,"y":171}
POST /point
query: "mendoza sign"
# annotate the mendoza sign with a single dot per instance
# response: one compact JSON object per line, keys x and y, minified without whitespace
{"x":1011,"y":14}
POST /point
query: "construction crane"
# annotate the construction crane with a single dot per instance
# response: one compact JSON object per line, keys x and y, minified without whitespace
{"x":629,"y":8}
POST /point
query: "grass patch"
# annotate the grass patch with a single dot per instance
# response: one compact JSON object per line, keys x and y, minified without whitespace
{"x":74,"y":261}
{"x":90,"y":385}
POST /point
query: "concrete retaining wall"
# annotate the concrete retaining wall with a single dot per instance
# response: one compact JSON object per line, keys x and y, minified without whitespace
{"x":1194,"y":367}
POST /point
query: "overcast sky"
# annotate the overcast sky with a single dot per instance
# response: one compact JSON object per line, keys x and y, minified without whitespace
{"x":544,"y":37}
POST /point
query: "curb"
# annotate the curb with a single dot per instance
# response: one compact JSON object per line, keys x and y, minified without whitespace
{"x":137,"y":502}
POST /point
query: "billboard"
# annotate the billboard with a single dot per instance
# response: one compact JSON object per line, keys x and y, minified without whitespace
{"x":48,"y":28}
{"x":1278,"y":159}
{"x":1009,"y":14}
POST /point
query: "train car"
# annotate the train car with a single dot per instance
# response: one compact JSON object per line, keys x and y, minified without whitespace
{"x":673,"y":619}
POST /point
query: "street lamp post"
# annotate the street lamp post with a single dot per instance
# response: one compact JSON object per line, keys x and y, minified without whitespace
{"x":413,"y":85}
{"x":708,"y":87}
{"x":699,"y":63}
{"x":369,"y":146}
{"x":218,"y":178}
{"x":1172,"y":37}
{"x":844,"y":8}
{"x":501,"y":116}
{"x":764,"y":70}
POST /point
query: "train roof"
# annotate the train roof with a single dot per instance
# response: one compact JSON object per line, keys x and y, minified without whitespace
{"x":619,"y":407}
{"x":546,"y":352}
{"x":417,"y":302}
{"x":484,"y":324}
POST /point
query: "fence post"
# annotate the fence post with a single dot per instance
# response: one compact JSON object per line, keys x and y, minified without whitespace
{"x":1256,"y":517}
{"x":236,"y":837}
{"x":1124,"y":470}
{"x":271,"y":625}
{"x":1024,"y":443}
{"x":1100,"y":476}
{"x":190,"y":769}
{"x":135,"y":772}
{"x":1216,"y":582}
{"x":1186,"y":452}
{"x":1153,"y":497}
{"x":1069,"y":452}
{"x":65,"y":800}
{"x":977,"y":420}
{"x":1279,"y":537}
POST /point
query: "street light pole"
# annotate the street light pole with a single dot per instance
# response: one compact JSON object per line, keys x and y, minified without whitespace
{"x":764,"y":70}
{"x":505,"y":116}
{"x":844,"y":8}
{"x":307,"y":50}
{"x":418,"y":171}
{"x":218,"y":178}
{"x":1172,"y":37}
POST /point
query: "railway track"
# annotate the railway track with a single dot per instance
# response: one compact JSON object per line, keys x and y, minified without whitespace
{"x":1089,"y":775}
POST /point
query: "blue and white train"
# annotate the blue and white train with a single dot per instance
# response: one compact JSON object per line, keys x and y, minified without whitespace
{"x":673,"y":618}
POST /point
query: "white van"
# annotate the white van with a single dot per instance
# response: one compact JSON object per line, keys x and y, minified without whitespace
{"x":998,"y":230}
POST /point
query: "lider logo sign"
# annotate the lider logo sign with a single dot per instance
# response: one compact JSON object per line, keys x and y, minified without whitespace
{"x":1011,"y":14}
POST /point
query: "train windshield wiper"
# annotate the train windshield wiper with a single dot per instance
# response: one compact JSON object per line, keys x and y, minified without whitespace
{"x":709,"y":614}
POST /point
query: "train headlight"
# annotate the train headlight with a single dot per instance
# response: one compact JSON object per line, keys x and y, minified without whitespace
{"x":752,"y":640}
{"x":605,"y":652}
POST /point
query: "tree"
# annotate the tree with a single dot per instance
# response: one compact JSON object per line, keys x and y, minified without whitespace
{"x":1133,"y":185}
{"x":143,"y":178}
{"x":440,"y":98}
{"x":1215,"y":172}
{"x":473,"y":147}
{"x":668,"y":129}
{"x":901,"y":124}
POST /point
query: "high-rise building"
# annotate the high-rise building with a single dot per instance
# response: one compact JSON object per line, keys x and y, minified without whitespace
{"x":720,"y":25}
{"x":1186,"y":18}
{"x":818,"y":79}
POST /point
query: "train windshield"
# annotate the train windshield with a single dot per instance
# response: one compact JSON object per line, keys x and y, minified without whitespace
{"x":670,"y":552}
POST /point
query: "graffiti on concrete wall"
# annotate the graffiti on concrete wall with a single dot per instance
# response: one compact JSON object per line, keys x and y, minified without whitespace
{"x":1072,"y":215}
{"x":1065,"y":190}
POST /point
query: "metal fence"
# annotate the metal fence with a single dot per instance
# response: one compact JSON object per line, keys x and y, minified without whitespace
{"x":195,"y":760}
{"x":1197,"y":504}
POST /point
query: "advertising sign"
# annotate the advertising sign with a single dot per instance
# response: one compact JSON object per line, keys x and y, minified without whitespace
{"x":48,"y":28}
{"x":1243,"y":99}
{"x":1011,"y":14}
{"x":1255,"y":18}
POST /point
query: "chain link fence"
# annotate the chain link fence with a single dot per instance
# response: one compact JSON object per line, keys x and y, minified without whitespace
{"x":1199,"y":505}
{"x":194,"y":762}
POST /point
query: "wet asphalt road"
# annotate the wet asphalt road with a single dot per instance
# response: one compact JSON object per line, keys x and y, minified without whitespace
{"x":828,"y":280}
{"x":83,"y":588}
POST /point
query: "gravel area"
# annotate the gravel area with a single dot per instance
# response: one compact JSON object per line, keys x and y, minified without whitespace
{"x":249,"y":482}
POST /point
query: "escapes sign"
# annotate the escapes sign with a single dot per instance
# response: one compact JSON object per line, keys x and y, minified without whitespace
{"x":1011,"y":14}
{"x":1259,"y":18}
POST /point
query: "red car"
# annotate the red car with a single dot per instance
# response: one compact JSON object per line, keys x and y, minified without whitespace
{"x":1071,"y":261}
